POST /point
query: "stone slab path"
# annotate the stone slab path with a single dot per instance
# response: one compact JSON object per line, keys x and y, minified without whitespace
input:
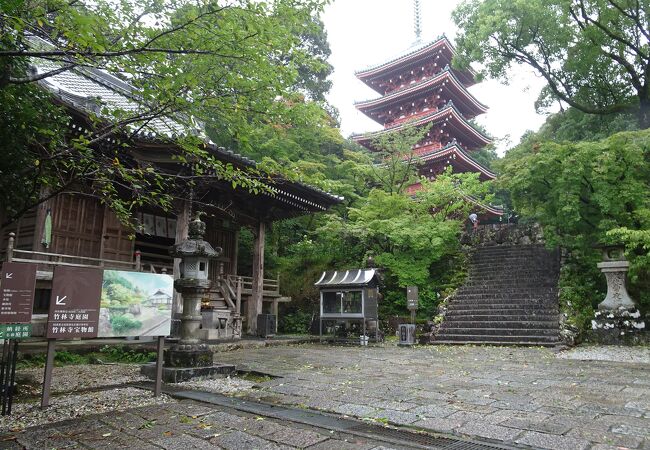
{"x":183,"y":426}
{"x":522,"y":396}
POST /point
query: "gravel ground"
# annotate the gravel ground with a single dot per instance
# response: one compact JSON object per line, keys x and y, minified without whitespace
{"x":228,"y":386}
{"x":74,"y":378}
{"x":68,"y":380}
{"x":640,"y":355}
{"x":26,"y":411}
{"x":65,"y":407}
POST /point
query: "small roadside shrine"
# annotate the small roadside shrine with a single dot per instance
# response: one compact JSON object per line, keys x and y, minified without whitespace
{"x":350,"y":296}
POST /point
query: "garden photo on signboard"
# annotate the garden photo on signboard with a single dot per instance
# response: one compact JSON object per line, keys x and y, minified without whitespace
{"x":135,"y":304}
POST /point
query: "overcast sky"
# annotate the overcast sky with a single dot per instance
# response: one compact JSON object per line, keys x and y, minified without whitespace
{"x":362,"y":33}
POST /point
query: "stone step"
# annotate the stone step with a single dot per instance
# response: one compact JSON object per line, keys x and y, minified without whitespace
{"x":454,"y":316}
{"x":507,"y":291}
{"x":498,"y":323}
{"x":503,"y":309}
{"x":500,"y":331}
{"x":480,"y":338}
{"x":482,"y":306}
{"x":513,"y":249}
{"x":509,"y":298}
{"x":496,"y":285}
{"x":528,"y":259}
{"x":505,"y":295}
{"x":533,"y":306}
{"x":504,"y":257}
{"x":492,"y":341}
{"x":519,"y":270}
{"x":512,"y":273}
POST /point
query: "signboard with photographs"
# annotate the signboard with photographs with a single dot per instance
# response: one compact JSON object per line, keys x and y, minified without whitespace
{"x":135,"y":304}
{"x":91,"y":303}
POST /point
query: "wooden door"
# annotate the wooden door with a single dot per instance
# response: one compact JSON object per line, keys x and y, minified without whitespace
{"x":76,"y":225}
{"x":116,"y":244}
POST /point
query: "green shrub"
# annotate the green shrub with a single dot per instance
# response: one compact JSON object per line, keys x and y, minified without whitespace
{"x":122,"y":354}
{"x":295,"y":323}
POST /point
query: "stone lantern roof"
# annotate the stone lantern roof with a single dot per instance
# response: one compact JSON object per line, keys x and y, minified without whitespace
{"x":194,"y":245}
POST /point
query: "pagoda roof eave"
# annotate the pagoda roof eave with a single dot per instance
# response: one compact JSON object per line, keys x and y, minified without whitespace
{"x":377,"y":69}
{"x":489,"y":209}
{"x":495,"y":210}
{"x":462,"y":156}
{"x":426,"y":119}
{"x":445,"y":74}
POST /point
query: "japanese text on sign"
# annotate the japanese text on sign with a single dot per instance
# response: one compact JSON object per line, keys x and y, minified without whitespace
{"x":74,"y":304}
{"x":15,"y":331}
{"x":17,"y":292}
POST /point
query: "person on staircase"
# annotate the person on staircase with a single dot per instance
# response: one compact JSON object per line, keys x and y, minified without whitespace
{"x":474,"y":219}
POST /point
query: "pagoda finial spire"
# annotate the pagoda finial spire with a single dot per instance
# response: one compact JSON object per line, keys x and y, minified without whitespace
{"x":417,"y":19}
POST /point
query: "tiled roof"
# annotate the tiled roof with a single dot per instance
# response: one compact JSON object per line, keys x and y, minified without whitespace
{"x":92,"y":89}
{"x":89,"y":90}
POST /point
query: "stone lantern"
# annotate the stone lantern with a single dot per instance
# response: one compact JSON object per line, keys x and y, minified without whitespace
{"x":191,"y":357}
{"x":617,"y":319}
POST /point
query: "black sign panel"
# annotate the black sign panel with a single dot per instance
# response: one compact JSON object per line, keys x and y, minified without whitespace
{"x":17,"y":293}
{"x":74,"y":304}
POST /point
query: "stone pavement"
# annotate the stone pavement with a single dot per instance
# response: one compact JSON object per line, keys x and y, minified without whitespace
{"x":183,"y":426}
{"x":516,"y":395}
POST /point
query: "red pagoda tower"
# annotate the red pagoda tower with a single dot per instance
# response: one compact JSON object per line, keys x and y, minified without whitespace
{"x":421,"y":88}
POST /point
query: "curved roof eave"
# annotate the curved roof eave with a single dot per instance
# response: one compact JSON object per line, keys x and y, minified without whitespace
{"x":424,"y":119}
{"x":446,"y":73}
{"x":408,"y":55}
{"x":457,"y":150}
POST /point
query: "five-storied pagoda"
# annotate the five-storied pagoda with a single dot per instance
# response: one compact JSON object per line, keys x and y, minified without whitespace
{"x":421,"y":88}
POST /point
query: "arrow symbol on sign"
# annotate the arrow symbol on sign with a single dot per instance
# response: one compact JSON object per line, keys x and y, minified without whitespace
{"x":59,"y":300}
{"x":10,"y":275}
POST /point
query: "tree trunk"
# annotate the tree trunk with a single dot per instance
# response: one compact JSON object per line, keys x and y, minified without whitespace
{"x":644,"y":113}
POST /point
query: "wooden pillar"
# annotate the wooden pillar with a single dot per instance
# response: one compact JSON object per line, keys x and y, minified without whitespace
{"x":182,"y":222}
{"x":255,"y":302}
{"x":235,"y":253}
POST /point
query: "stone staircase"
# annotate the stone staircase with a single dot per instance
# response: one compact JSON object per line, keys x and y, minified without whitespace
{"x":510,"y":297}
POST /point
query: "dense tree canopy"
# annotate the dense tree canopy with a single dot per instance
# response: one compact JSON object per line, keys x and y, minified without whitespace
{"x":586,"y":193}
{"x":593,"y":54}
{"x":226,"y":62}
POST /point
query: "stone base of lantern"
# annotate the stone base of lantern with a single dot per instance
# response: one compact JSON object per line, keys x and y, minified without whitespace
{"x":198,"y":357}
{"x":623,"y":326}
{"x":180,"y":374}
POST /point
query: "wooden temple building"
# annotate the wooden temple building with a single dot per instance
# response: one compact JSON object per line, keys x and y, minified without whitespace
{"x":420,"y":88}
{"x":75,"y":229}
